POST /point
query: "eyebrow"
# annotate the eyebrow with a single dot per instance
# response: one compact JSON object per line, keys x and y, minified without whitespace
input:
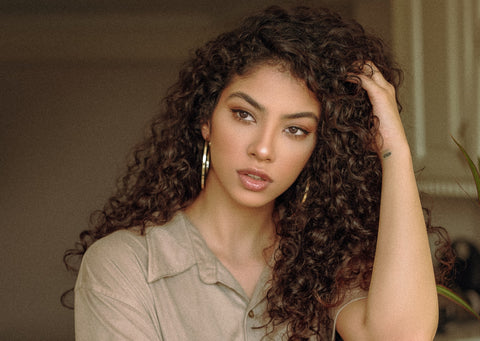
{"x":248,"y":99}
{"x":307,"y":114}
{"x":260,"y":107}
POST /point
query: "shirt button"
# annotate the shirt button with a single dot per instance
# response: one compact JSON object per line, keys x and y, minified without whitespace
{"x":251,"y":314}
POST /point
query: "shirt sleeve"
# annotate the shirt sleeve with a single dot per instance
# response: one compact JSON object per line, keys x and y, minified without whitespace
{"x":101,"y":317}
{"x":352,"y":296}
{"x":112,"y":297}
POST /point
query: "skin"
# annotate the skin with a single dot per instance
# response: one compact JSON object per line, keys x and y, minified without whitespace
{"x":265,"y":124}
{"x":402,"y":301}
{"x":237,"y":223}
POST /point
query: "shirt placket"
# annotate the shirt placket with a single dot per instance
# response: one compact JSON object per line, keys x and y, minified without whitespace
{"x":254,"y":316}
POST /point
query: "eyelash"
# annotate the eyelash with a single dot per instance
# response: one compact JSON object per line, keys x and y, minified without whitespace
{"x":237,"y":113}
{"x":298,"y":129}
{"x":238,"y":116}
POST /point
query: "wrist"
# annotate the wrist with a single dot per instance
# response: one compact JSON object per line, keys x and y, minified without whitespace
{"x":398,"y":153}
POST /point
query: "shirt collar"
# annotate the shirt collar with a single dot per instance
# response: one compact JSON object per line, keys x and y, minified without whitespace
{"x":175,"y":247}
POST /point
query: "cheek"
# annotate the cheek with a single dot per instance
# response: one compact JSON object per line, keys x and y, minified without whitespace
{"x":227,"y":138}
{"x":301,"y":162}
{"x":295,"y":162}
{"x":306,"y":155}
{"x":226,"y":146}
{"x":309,"y":153}
{"x":301,"y":155}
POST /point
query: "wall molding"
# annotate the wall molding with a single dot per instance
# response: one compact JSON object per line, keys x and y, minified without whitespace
{"x":451,"y":188}
{"x":441,"y":91}
{"x":416,"y":9}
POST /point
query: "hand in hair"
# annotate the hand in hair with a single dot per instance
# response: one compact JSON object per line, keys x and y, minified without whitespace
{"x":391,"y":135}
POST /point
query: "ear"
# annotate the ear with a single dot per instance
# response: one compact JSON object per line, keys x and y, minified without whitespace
{"x":206,"y":131}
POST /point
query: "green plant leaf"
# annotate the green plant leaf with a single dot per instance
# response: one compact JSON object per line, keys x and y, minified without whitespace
{"x":473,"y":168}
{"x":449,"y":294}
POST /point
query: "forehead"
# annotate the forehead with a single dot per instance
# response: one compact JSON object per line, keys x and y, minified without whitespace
{"x":272,"y":82}
{"x":265,"y":68}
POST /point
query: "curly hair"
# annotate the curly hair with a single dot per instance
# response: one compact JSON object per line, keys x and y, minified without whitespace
{"x":327,"y":242}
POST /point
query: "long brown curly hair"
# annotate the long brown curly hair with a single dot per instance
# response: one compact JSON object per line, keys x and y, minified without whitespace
{"x":327,"y":243}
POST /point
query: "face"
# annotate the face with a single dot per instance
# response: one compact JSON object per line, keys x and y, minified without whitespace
{"x":261,"y":133}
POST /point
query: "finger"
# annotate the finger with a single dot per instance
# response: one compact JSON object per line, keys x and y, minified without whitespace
{"x":376,"y":84}
{"x":371,"y":71}
{"x":369,"y":84}
{"x":366,"y":69}
{"x":368,"y":76}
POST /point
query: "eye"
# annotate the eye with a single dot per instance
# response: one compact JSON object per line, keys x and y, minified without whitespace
{"x":296,"y":131}
{"x":243,"y":115}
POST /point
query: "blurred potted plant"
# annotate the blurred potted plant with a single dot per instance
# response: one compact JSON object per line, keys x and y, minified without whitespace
{"x":447,"y":293}
{"x":474,"y":169}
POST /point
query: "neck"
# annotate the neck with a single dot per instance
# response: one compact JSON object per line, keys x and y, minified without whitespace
{"x":233,"y":231}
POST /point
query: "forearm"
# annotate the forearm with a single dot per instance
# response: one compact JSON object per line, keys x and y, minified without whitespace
{"x":402,"y":300}
{"x":402,"y":296}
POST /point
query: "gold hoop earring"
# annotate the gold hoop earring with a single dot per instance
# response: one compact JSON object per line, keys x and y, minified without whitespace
{"x":305,"y":195}
{"x":205,"y":163}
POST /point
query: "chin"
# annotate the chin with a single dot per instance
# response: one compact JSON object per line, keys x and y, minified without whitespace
{"x":254,"y":201}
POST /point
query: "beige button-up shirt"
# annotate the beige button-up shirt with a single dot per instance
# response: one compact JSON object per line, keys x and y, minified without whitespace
{"x":164,"y":285}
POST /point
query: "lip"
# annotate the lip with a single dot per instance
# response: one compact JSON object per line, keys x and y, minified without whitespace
{"x":253,"y":184}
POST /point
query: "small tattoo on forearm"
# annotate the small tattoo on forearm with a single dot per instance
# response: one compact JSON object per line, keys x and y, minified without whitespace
{"x":387,"y":154}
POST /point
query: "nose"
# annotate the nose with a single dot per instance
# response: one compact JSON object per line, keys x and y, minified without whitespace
{"x":263,"y":146}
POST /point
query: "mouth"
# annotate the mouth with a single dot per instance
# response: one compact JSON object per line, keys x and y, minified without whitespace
{"x":255,"y":174}
{"x":254,"y":180}
{"x":255,"y":177}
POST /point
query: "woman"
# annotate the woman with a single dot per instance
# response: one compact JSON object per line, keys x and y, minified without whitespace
{"x":274,"y":198}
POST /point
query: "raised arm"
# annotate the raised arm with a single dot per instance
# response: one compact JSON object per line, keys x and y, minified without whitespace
{"x":402,"y":301}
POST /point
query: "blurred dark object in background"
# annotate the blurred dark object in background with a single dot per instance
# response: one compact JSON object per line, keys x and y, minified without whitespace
{"x":466,"y":278}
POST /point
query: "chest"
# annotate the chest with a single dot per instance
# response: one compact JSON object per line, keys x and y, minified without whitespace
{"x":247,"y":275}
{"x":189,"y":307}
